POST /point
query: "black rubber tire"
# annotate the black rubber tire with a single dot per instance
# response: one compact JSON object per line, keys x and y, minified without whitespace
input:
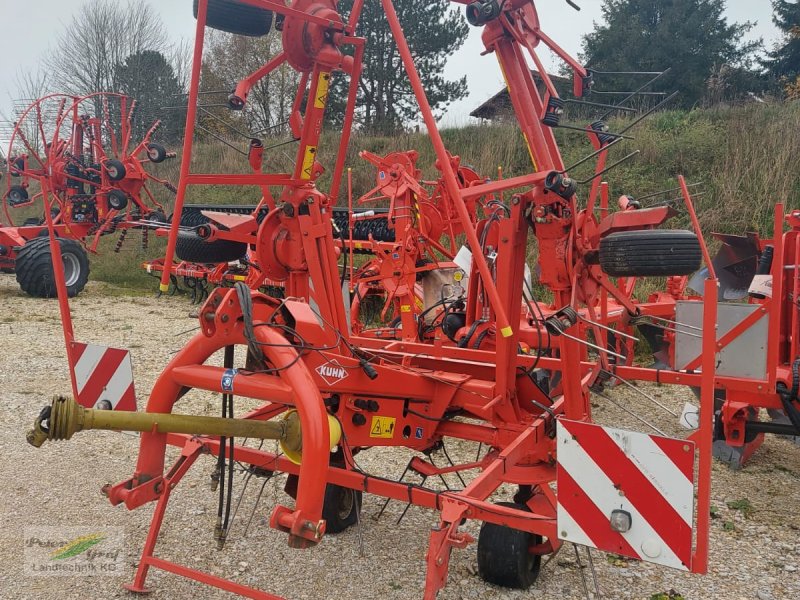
{"x":192,"y":248}
{"x":503,"y":557}
{"x":237,"y":18}
{"x":34,"y":267}
{"x":117,"y":199}
{"x":158,"y":217}
{"x":340,"y":508}
{"x":650,"y":253}
{"x":156,"y":153}
{"x":17,"y":195}
{"x":115,"y":169}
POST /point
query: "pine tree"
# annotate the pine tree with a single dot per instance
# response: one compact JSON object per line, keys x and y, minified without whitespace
{"x":690,"y":36}
{"x":434,"y":31}
{"x":783,"y":62}
{"x":148,"y":78}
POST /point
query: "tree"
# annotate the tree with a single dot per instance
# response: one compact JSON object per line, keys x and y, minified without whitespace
{"x":691,"y":36}
{"x":385,"y":99}
{"x":148,"y":77}
{"x":101,"y":35}
{"x":783,"y":62}
{"x":230,"y":58}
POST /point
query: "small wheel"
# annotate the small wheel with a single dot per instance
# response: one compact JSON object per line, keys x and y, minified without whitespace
{"x":115,"y":169}
{"x":17,"y":195}
{"x":34,"y":267}
{"x":117,"y":199}
{"x":504,"y":556}
{"x":340,"y":508}
{"x":156,"y":153}
{"x":158,"y":217}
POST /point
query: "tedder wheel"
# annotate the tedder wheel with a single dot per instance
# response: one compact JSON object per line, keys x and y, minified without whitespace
{"x":115,"y":169}
{"x":340,"y":508}
{"x":156,"y":153}
{"x":117,"y":199}
{"x":192,"y":248}
{"x":238,"y":18}
{"x":34,"y":267}
{"x":503,"y":554}
{"x":650,"y":253}
{"x":17,"y":195}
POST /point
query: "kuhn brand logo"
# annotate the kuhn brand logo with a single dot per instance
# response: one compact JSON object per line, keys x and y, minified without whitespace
{"x":332,"y":372}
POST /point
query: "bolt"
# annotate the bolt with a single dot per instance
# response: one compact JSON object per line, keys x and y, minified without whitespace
{"x":515,"y":200}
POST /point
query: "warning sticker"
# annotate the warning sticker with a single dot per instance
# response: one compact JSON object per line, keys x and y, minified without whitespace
{"x":382,"y":427}
{"x":308,"y":162}
{"x":323,"y":83}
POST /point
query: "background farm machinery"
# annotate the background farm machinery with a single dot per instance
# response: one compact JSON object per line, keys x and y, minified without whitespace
{"x":72,"y":160}
{"x":521,"y":384}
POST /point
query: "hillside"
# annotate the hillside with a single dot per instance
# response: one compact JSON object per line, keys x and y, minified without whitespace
{"x":748,"y":158}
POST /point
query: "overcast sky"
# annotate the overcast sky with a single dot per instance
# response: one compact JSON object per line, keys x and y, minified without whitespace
{"x":27,"y":26}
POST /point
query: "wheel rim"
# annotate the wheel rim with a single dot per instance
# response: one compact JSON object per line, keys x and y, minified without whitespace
{"x":72,"y":269}
{"x":346,"y":503}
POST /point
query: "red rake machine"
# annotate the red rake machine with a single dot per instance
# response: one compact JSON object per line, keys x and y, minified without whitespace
{"x":72,"y":159}
{"x":328,"y":395}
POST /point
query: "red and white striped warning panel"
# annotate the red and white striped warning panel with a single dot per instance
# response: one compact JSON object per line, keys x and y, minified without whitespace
{"x":104,"y":377}
{"x":625,"y":492}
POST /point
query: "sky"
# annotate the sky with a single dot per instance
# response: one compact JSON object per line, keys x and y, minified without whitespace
{"x":27,"y":28}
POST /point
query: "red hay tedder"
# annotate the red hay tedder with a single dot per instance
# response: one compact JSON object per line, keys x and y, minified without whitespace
{"x":490,"y":365}
{"x":77,"y":152}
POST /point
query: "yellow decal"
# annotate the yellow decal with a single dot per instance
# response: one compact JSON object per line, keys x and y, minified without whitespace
{"x":458,"y":275}
{"x":405,"y":308}
{"x":382,"y":427}
{"x":420,"y":304}
{"x":507,"y":331}
{"x":308,"y":162}
{"x":239,"y":278}
{"x":323,"y":83}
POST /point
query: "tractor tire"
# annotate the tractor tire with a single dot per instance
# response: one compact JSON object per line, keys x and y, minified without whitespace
{"x":340,"y":508}
{"x":192,"y":248}
{"x":115,"y":169}
{"x":650,"y":253}
{"x":156,"y":153}
{"x":237,"y":18}
{"x":503,"y":556}
{"x":34,"y":267}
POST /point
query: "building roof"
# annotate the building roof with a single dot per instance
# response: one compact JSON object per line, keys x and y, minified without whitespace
{"x":500,"y":104}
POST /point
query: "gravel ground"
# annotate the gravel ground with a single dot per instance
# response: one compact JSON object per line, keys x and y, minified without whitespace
{"x":754,"y":551}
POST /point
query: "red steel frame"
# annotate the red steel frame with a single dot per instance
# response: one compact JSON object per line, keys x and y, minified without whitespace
{"x":437,"y":379}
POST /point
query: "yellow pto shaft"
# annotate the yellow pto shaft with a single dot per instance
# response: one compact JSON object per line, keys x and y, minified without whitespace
{"x":65,"y":417}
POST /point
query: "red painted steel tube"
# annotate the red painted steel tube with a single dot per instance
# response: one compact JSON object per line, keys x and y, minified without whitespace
{"x":696,"y":224}
{"x":449,"y":177}
{"x":313,"y":416}
{"x":61,"y":285}
{"x":188,"y":140}
{"x":775,"y":310}
{"x":700,"y":555}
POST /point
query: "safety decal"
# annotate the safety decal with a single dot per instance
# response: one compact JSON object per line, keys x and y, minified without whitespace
{"x":104,"y":377}
{"x":382,"y":427}
{"x":626,"y":492}
{"x":227,"y":380}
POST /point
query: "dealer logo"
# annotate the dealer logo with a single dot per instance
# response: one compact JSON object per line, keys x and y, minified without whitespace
{"x":332,"y":372}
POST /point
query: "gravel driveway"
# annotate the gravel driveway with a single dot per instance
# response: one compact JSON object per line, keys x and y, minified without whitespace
{"x":755,"y":552}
